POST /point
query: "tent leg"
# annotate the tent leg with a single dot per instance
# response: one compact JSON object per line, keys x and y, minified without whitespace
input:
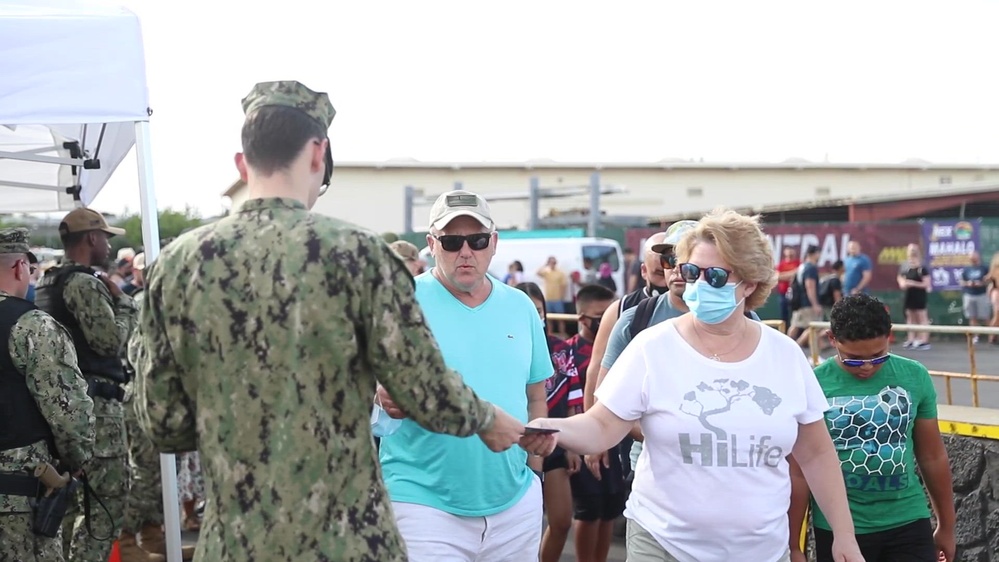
{"x":151,"y":247}
{"x":147,"y":193}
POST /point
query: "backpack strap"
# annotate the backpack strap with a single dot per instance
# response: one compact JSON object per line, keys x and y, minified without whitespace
{"x":643,"y":314}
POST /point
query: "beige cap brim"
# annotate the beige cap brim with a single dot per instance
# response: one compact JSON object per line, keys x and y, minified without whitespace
{"x":113,"y":231}
{"x":440,"y":223}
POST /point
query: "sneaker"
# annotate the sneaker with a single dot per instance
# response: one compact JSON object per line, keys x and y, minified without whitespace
{"x":974,"y":340}
{"x":922,"y":346}
{"x":908,"y":344}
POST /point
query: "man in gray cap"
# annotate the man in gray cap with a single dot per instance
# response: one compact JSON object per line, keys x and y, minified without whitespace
{"x":259,"y":342}
{"x":454,"y":499}
{"x":44,"y":400}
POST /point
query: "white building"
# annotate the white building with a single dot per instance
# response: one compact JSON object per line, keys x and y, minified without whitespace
{"x":371,"y":194}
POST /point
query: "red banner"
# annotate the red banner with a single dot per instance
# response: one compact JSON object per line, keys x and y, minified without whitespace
{"x":884,"y":243}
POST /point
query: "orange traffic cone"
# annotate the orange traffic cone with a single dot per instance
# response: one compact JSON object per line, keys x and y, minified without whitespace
{"x":115,"y":553}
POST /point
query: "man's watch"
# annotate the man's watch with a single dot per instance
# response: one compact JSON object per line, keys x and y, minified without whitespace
{"x":540,"y":474}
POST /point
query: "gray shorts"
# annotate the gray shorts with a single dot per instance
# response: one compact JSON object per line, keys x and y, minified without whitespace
{"x":978,"y":307}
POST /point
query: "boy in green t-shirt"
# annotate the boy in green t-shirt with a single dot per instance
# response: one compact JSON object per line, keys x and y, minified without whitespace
{"x":883,"y":422}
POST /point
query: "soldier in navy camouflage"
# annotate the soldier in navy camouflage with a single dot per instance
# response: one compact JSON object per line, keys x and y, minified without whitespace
{"x":100,"y":317}
{"x":259,"y":344}
{"x":42,"y":388}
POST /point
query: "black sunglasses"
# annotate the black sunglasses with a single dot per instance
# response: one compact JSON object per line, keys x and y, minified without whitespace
{"x":668,"y":261}
{"x":454,"y":242}
{"x":713,"y":276}
{"x":861,"y":362}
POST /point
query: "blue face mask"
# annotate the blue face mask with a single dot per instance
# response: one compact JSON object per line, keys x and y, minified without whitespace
{"x":381,"y":424}
{"x":711,"y":305}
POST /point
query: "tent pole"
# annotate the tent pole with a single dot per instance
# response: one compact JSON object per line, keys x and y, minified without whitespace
{"x":151,"y":247}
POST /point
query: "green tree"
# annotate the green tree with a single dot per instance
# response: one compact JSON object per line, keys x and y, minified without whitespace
{"x":172,"y":223}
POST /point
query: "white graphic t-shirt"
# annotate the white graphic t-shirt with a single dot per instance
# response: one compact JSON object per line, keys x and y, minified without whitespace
{"x":712,"y":481}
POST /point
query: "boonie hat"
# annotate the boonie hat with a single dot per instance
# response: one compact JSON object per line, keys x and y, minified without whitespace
{"x":405,"y":250}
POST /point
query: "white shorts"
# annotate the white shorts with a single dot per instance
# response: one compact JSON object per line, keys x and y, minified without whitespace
{"x":432,"y":535}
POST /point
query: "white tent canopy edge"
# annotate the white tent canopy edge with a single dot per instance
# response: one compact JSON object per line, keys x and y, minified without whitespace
{"x":73,"y":102}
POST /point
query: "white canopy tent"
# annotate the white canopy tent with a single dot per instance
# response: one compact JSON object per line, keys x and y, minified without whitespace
{"x":73,"y":102}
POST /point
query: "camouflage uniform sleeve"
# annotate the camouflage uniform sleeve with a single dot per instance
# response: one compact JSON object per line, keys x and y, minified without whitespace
{"x":405,"y":355}
{"x":165,"y":411}
{"x":43,"y":351}
{"x":105,"y":322}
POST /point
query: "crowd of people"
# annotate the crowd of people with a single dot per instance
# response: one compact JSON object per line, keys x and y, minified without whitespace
{"x":280,"y":344}
{"x":807,"y":294}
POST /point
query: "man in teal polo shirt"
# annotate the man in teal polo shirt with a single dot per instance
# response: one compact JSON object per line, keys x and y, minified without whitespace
{"x":453,"y":498}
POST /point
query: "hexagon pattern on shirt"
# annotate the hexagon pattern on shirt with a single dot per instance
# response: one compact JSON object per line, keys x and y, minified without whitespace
{"x":872,"y":429}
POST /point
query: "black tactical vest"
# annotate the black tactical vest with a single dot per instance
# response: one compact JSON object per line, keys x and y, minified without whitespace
{"x":21,"y":422}
{"x":49,"y":297}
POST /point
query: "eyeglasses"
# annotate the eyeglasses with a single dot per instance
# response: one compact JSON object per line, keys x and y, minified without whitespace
{"x":713,"y":276}
{"x":454,"y":242}
{"x":667,"y":260}
{"x":862,"y":362}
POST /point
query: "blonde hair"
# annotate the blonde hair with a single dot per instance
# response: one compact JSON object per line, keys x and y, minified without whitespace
{"x":994,"y":269}
{"x":741,"y":243}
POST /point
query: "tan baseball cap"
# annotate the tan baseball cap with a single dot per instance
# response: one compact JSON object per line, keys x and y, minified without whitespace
{"x":85,"y":220}
{"x":459,"y":203}
{"x":405,"y":250}
{"x":139,"y":261}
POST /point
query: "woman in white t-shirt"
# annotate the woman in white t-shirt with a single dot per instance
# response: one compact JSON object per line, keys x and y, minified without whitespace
{"x":722,"y":401}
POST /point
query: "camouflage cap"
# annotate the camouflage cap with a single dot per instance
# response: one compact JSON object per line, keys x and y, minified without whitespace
{"x":15,"y":241}
{"x":673,"y":235}
{"x":405,"y":250}
{"x":291,"y":94}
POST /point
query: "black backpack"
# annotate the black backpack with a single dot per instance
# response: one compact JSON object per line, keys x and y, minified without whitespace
{"x":795,"y":293}
{"x":826,"y":291}
{"x":643,"y":315}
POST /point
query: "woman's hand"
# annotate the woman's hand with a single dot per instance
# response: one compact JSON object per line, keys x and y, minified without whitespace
{"x":846,"y":549}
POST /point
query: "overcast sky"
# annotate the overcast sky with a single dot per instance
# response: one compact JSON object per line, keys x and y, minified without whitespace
{"x":572,"y":81}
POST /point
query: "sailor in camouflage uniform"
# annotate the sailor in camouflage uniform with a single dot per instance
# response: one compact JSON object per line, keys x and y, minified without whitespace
{"x":100,"y":317}
{"x":142,"y":538}
{"x":45,"y":413}
{"x":259,"y":344}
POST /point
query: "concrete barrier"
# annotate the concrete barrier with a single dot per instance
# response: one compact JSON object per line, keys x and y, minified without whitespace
{"x":971,"y":436}
{"x":972,"y":439}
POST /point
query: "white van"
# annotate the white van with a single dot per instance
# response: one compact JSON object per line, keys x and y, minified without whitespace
{"x":533,"y":253}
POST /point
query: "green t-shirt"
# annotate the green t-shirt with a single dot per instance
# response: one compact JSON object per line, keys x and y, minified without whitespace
{"x":871,"y":423}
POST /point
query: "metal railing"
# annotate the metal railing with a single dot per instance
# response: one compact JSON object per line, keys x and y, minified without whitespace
{"x":816,"y":329}
{"x":557,"y":323}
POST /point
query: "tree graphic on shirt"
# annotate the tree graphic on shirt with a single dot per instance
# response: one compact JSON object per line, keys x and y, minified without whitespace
{"x":717,"y":397}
